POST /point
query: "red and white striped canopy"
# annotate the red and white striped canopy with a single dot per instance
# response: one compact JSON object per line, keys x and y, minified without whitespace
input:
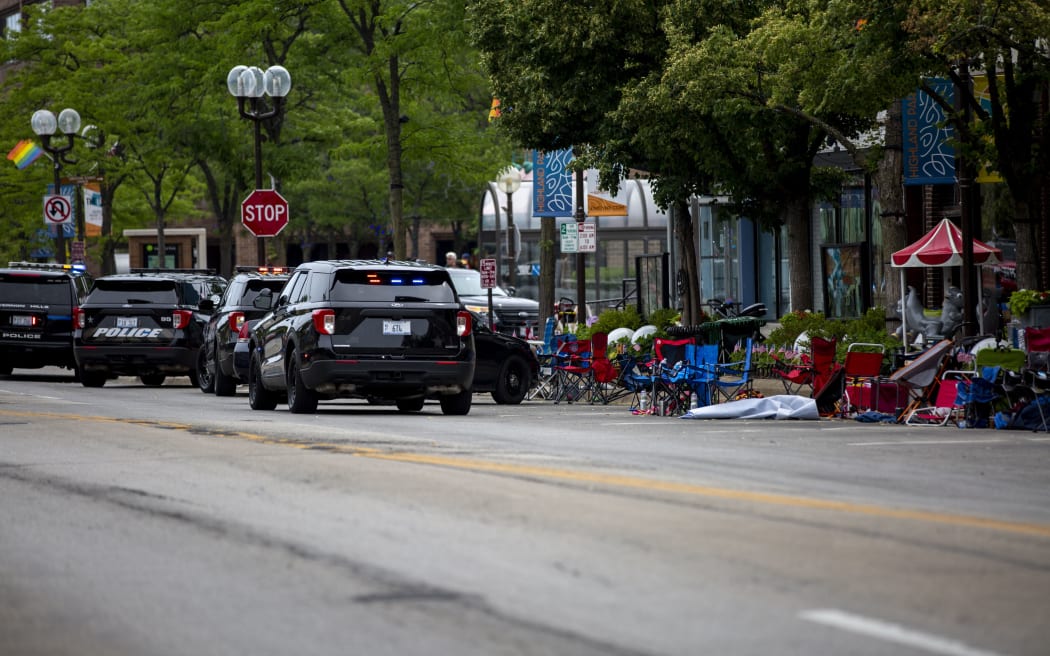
{"x":942,"y":247}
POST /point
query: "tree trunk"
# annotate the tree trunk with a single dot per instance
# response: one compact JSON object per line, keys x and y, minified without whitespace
{"x":684,"y":234}
{"x":800,"y":255}
{"x":1027,"y":252}
{"x":891,"y":198}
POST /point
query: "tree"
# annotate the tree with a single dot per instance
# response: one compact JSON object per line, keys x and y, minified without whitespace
{"x":1005,"y":44}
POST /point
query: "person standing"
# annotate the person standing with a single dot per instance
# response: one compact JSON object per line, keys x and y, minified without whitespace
{"x":450,"y":260}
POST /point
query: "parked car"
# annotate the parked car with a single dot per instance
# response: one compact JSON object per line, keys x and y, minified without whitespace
{"x":371,"y":329}
{"x":511,"y":315}
{"x":215,"y":370}
{"x":148,"y":323}
{"x":506,"y":365}
{"x":36,"y":314}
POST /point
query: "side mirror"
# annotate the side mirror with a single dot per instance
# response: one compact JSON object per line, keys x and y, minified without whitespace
{"x":264,"y":301}
{"x":207,"y":306}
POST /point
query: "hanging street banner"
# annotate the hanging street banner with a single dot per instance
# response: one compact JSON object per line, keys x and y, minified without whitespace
{"x":552,"y":183}
{"x":928,"y":157}
{"x":599,"y":206}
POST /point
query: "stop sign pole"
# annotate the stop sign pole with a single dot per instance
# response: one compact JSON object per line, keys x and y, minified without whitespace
{"x":248,"y":84}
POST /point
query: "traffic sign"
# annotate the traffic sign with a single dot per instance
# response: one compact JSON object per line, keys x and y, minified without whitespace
{"x":570,"y":238}
{"x":487,"y":267}
{"x":264,"y":212}
{"x":588,"y":238}
{"x":57,"y":209}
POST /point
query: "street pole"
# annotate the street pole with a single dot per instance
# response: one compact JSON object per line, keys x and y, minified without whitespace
{"x":44,"y":125}
{"x":260,"y":243}
{"x":964,"y":171}
{"x":581,"y":270}
{"x":249,"y":83}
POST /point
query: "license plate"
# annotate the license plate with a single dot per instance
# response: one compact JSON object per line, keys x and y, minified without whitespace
{"x":127,"y":322}
{"x":21,"y":320}
{"x":397,"y":327}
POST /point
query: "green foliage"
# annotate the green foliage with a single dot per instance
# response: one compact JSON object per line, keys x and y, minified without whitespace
{"x":1022,"y":299}
{"x":610,"y":320}
{"x":869,"y":329}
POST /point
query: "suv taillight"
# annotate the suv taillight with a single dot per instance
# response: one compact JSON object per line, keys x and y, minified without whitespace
{"x":324,"y":321}
{"x":463,"y":324}
{"x":236,"y":321}
{"x":78,"y":318}
{"x":245,"y":333}
{"x":181,"y":318}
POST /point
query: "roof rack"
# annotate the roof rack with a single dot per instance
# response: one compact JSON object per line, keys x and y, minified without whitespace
{"x":47,"y":266}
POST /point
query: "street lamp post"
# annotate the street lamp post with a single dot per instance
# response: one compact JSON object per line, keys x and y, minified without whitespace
{"x":508,"y":182}
{"x":248,"y":84}
{"x":44,"y":125}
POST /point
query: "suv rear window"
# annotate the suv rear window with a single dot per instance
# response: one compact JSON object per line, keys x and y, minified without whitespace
{"x":127,"y":292}
{"x":399,"y":286}
{"x":35,"y":288}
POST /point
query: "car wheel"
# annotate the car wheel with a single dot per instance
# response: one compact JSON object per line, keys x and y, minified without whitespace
{"x":301,"y":400}
{"x":410,"y":405}
{"x":205,"y":380}
{"x":153,"y":380}
{"x":456,"y":404}
{"x":224,"y":385}
{"x":93,"y":378}
{"x":512,"y":383}
{"x":259,"y":398}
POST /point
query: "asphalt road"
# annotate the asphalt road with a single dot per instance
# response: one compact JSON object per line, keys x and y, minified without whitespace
{"x":140,"y":520}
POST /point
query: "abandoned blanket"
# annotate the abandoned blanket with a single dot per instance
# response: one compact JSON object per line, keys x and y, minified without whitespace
{"x":782,"y":406}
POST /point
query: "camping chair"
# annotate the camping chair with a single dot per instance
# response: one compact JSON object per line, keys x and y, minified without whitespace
{"x":605,"y":386}
{"x":918,"y":375}
{"x":733,"y":378}
{"x":545,"y":386}
{"x":636,"y":378}
{"x":572,"y":366}
{"x":670,"y":357}
{"x":695,"y":378}
{"x":1037,"y":344}
{"x":946,"y":406}
{"x":862,"y":370}
{"x":1008,"y":359}
{"x":977,"y":395}
{"x":813,"y":372}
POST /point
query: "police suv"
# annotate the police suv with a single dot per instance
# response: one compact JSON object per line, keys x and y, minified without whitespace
{"x":148,"y":323}
{"x":36,"y":314}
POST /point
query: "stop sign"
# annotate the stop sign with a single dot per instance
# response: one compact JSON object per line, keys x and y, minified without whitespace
{"x":264,"y":212}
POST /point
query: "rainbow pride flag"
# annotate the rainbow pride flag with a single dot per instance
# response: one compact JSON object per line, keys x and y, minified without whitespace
{"x":24,"y":153}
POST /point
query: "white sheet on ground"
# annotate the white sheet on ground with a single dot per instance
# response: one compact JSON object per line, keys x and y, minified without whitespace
{"x":782,"y":406}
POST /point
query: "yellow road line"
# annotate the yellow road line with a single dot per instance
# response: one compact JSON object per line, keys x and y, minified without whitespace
{"x":612,"y":480}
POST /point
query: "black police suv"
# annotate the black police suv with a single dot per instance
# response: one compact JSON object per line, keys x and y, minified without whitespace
{"x":148,"y":323}
{"x":374,"y":329}
{"x":215,"y":368}
{"x":36,"y":314}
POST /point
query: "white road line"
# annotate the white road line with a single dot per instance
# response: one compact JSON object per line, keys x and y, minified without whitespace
{"x":906,"y":442}
{"x":892,"y":633}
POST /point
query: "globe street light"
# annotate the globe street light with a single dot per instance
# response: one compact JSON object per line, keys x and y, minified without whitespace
{"x":248,"y":84}
{"x":44,"y":125}
{"x":509,"y":181}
